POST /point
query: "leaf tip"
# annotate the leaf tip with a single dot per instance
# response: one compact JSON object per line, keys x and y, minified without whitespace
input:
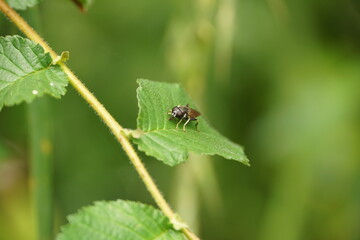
{"x":246,"y":162}
{"x":141,"y":80}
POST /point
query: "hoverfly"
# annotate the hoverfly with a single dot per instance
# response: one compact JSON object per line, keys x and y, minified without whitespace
{"x":184,"y":112}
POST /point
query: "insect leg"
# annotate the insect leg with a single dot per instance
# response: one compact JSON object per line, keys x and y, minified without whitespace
{"x":185,"y":124}
{"x":196,"y":125}
{"x":177,"y":125}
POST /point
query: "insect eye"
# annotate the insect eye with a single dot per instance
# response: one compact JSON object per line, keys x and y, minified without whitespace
{"x":174,"y":114}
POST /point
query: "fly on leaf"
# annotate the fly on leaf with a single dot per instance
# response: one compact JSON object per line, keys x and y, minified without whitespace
{"x":184,"y":113}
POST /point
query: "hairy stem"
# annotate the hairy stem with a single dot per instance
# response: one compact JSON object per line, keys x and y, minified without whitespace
{"x":114,"y":126}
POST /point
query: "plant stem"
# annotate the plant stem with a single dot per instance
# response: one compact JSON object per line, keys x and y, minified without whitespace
{"x":42,"y":161}
{"x":114,"y":126}
{"x":41,"y":167}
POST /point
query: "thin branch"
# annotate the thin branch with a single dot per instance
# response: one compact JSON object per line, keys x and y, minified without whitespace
{"x":113,"y":125}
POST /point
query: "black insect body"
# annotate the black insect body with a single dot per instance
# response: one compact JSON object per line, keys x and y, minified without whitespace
{"x":184,"y":112}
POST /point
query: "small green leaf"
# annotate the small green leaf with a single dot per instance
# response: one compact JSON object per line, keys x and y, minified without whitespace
{"x":26,"y":72}
{"x":62,"y":58}
{"x":158,"y":137}
{"x":22,"y":4}
{"x":119,"y":220}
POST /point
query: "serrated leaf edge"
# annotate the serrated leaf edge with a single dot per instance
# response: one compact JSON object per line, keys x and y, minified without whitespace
{"x":49,"y":66}
{"x":73,"y":217}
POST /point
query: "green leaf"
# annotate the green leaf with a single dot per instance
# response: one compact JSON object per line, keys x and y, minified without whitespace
{"x":119,"y":220}
{"x":22,"y":4}
{"x":62,"y":58}
{"x":158,"y":137}
{"x":26,"y":72}
{"x":83,"y":5}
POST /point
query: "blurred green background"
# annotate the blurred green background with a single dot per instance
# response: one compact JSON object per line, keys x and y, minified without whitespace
{"x":281,"y":78}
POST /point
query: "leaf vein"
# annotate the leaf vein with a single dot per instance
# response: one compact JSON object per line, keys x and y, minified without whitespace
{"x":134,"y":217}
{"x":117,"y":223}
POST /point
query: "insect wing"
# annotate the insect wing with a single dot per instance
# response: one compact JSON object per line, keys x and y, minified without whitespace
{"x":193,"y":113}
